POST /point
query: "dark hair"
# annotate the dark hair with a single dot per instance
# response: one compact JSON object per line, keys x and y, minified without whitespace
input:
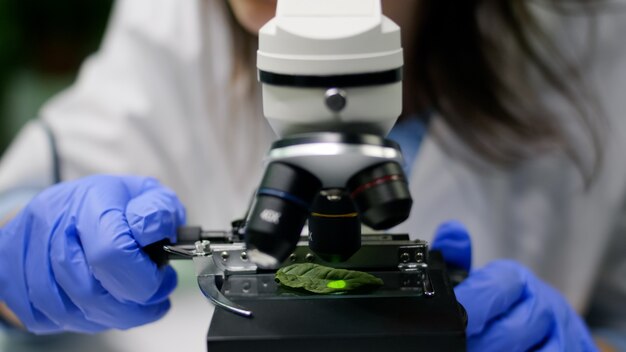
{"x":467,"y":69}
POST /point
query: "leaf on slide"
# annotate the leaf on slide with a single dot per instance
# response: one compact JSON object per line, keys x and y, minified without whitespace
{"x":322,"y":279}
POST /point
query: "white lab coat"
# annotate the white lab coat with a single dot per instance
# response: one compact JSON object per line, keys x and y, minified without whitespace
{"x":155,"y":101}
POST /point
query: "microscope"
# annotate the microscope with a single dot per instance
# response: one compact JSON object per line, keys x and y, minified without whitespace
{"x":331,"y":76}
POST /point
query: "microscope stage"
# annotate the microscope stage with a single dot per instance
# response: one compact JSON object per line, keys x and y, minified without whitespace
{"x":398,"y":315}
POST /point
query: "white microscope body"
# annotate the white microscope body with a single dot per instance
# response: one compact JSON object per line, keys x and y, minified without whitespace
{"x":331,"y":40}
{"x":331,"y":75}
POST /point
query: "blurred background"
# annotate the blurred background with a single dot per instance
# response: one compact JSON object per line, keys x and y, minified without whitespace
{"x":42,"y":43}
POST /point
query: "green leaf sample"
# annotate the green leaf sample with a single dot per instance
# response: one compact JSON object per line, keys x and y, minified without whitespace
{"x":322,"y":279}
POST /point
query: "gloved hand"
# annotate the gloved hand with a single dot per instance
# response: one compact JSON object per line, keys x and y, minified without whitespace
{"x":509,"y":308}
{"x":71,"y":260}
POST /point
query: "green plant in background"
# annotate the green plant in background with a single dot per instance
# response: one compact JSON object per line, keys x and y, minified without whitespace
{"x":42,"y":43}
{"x":9,"y":48}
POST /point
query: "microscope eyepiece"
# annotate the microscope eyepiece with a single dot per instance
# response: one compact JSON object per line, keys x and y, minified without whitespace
{"x":381,"y":195}
{"x":279,"y":212}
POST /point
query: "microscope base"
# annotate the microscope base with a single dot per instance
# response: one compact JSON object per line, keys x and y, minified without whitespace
{"x":397,"y":319}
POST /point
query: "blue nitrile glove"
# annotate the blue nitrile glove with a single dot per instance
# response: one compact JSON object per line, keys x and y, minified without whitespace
{"x":509,"y":308}
{"x":71,"y":260}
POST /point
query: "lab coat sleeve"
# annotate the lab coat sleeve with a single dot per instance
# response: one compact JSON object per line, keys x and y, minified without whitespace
{"x":608,"y":303}
{"x":608,"y":308}
{"x":25,"y":168}
{"x":74,"y":117}
{"x":154,"y":101}
{"x":126,"y":112}
{"x":108,"y":121}
{"x":29,"y":162}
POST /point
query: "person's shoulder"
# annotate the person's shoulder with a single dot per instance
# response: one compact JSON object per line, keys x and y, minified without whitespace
{"x":162,"y":20}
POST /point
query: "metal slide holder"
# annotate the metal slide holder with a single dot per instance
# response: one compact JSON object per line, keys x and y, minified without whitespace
{"x":212,"y":267}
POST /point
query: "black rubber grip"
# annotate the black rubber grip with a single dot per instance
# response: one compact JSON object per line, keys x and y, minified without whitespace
{"x":156,"y":253}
